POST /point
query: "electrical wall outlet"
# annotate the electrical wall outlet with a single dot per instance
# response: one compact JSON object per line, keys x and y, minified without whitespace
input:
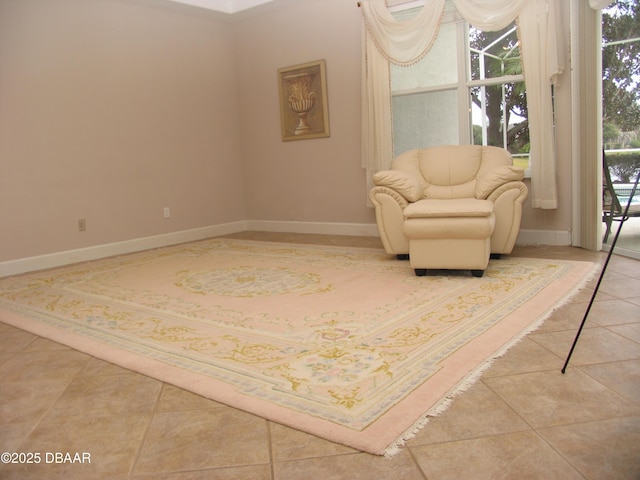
{"x":167,"y":212}
{"x":82,"y":225}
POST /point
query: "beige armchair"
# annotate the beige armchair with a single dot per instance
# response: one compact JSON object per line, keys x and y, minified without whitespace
{"x":449,"y":207}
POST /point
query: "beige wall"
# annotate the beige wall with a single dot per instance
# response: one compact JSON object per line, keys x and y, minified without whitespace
{"x":111,"y":110}
{"x":316,"y":180}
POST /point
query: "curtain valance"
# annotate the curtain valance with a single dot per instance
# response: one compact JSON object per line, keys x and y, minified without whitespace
{"x":404,"y":42}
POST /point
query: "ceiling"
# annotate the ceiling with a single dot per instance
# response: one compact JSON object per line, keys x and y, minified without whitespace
{"x":224,"y":6}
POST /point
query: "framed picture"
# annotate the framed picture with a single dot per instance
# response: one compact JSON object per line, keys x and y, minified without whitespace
{"x":303,"y":101}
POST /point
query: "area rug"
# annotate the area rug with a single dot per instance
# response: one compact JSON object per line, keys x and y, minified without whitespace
{"x":344,"y":343}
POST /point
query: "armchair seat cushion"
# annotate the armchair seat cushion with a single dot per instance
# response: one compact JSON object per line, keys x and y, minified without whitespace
{"x":456,"y":207}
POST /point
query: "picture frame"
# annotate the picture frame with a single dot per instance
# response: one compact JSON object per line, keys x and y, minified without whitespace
{"x":304,"y":111}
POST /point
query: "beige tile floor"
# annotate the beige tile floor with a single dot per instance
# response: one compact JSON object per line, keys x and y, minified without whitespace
{"x":629,"y":238}
{"x":524,"y":419}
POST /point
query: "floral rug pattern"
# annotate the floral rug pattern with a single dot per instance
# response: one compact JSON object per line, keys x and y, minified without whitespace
{"x":338,"y":335}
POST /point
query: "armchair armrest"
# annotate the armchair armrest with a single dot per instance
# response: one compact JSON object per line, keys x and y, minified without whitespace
{"x":516,"y":188}
{"x":496,"y":178}
{"x":389,"y":192}
{"x":507,"y":205}
{"x":390,"y":205}
{"x":406,"y":185}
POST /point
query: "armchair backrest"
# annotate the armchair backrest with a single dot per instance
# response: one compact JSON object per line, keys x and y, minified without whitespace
{"x":451,"y":171}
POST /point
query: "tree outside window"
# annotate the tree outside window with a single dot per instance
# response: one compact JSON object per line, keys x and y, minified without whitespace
{"x":497,"y":92}
{"x":620,"y":88}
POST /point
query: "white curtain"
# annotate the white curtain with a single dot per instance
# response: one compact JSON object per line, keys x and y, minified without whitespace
{"x":386,"y":40}
{"x":542,"y":61}
{"x":489,"y":15}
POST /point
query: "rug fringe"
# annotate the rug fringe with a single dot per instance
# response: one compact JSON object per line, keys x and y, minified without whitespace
{"x":472,"y":378}
{"x":439,"y":408}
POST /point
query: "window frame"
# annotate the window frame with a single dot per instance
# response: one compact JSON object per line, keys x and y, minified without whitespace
{"x":464,"y":82}
{"x":484,"y":82}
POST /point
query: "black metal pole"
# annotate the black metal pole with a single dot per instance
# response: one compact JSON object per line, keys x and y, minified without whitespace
{"x":604,"y":268}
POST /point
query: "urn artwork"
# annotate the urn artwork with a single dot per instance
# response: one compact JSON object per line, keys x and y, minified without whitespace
{"x":303,"y":101}
{"x":301,"y":98}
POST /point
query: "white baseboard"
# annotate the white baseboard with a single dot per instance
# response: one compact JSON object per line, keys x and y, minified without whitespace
{"x":525,"y":237}
{"x":41,"y":262}
{"x":544,"y":237}
{"x":327,"y":228}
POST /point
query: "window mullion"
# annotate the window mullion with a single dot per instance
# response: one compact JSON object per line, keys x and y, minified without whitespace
{"x":464,"y":99}
{"x":505,"y":119}
{"x":414,"y":91}
{"x":495,"y":81}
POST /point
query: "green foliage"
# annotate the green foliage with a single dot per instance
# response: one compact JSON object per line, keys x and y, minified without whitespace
{"x":621,"y":65}
{"x":624,"y":165}
{"x":610,"y":132}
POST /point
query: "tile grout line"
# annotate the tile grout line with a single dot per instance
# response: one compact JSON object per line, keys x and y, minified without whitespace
{"x":143,"y":438}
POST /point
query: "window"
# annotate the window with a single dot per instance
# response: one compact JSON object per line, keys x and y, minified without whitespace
{"x":468,"y":89}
